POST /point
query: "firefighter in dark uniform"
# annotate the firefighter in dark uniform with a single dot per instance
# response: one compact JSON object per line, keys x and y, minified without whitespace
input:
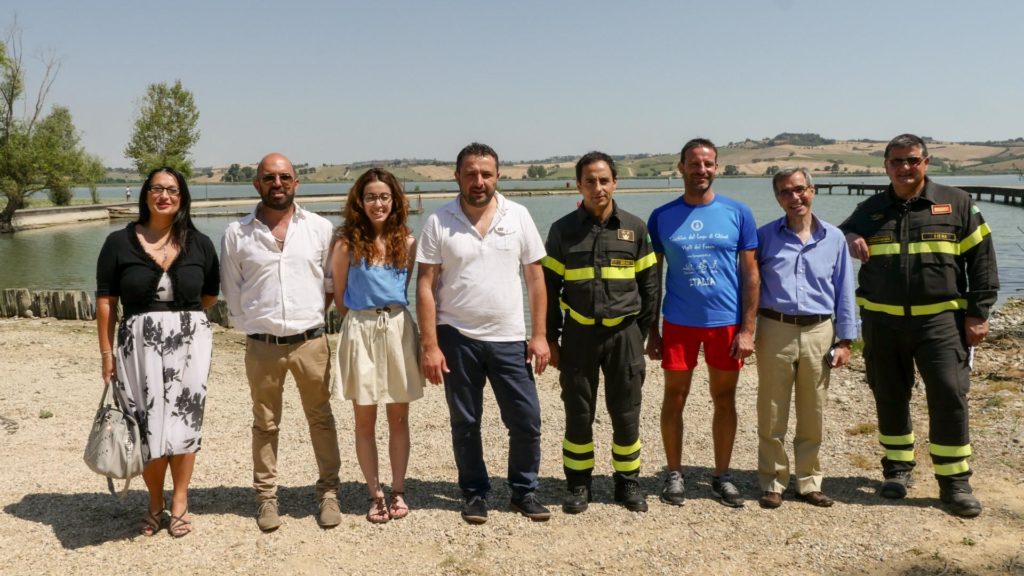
{"x":926,"y":286}
{"x":602,"y":285}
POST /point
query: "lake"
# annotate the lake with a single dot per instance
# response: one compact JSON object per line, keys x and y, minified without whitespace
{"x":65,"y":257}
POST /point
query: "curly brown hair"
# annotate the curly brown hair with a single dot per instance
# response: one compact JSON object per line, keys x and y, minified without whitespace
{"x":358,"y":233}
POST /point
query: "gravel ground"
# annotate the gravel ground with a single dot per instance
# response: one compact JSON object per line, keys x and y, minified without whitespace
{"x":56,"y":518}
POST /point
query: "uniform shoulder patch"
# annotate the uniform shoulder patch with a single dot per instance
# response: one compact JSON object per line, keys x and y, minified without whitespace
{"x":974,"y":209}
{"x":627,"y":235}
{"x":942,"y":209}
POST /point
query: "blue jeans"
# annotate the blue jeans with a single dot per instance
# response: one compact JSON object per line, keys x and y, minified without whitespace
{"x":470,"y":362}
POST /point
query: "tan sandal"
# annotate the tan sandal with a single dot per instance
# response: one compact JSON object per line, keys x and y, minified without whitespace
{"x":151,"y":523}
{"x":378,"y":513}
{"x":398,"y":508}
{"x":179,"y":526}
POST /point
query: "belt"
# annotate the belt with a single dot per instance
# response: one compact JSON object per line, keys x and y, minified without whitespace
{"x":293,"y":339}
{"x":799,"y":319}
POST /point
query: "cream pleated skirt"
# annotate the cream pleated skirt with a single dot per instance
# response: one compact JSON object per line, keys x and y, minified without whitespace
{"x":377,"y":357}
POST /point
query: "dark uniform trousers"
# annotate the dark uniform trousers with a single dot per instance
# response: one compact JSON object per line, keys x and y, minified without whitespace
{"x":617,"y":352}
{"x":936,"y":344}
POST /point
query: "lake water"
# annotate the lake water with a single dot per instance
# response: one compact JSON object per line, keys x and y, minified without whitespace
{"x":65,"y":257}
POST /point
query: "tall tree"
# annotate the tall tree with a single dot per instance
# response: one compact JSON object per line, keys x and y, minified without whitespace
{"x":38,"y":151}
{"x":165,"y":129}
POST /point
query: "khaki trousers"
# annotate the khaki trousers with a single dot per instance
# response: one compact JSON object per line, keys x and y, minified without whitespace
{"x":789,"y":355}
{"x":267,"y":366}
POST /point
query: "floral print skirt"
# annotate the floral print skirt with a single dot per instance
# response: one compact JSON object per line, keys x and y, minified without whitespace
{"x":163,"y":362}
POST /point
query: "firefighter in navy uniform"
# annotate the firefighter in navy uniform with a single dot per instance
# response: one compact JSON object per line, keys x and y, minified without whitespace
{"x":602,"y":285}
{"x":926,"y":286}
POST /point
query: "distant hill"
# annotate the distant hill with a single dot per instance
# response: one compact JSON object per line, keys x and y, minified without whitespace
{"x":747,"y":158}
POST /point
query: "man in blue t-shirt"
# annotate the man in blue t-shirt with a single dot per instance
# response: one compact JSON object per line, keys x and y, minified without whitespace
{"x":708,"y":242}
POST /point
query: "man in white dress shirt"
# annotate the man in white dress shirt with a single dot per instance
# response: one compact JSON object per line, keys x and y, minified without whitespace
{"x":276,"y":279}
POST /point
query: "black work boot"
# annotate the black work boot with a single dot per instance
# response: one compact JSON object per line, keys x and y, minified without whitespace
{"x":960,"y":500}
{"x":577,"y":499}
{"x":627,"y":493}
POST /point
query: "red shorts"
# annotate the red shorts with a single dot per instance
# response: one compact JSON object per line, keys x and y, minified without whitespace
{"x":680,"y":344}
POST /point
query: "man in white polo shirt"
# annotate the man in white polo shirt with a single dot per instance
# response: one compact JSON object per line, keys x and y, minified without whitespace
{"x":470,"y":307}
{"x":276,"y":280}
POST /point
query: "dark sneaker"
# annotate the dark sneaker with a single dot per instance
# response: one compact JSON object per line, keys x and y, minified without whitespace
{"x":267,"y":518}
{"x":961,"y":502}
{"x":726,"y":492}
{"x":528,"y":506}
{"x":576,"y":500}
{"x":474,"y":509}
{"x":629,"y":495}
{"x":674,"y":490}
{"x":895,"y":486}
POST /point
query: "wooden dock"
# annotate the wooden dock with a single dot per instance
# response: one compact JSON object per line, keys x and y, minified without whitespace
{"x":1009,"y":195}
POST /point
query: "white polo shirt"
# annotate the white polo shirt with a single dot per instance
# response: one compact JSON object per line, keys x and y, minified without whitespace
{"x":480,"y":287}
{"x":274,"y":291}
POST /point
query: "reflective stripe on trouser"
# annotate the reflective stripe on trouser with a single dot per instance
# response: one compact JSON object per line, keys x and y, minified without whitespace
{"x":936,"y":345}
{"x":618,"y":353}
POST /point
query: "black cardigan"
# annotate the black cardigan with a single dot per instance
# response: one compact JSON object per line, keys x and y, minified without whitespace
{"x":126,"y":271}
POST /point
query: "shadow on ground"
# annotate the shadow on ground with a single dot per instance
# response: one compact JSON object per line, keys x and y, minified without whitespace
{"x":89,"y":519}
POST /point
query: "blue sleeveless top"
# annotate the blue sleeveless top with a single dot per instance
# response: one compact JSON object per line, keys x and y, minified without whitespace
{"x":370,"y":286}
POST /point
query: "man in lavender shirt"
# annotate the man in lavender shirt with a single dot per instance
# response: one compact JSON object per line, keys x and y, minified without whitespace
{"x":806,"y":279}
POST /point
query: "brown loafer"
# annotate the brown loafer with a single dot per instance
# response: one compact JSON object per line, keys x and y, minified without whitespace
{"x":770,"y":500}
{"x":816,"y":499}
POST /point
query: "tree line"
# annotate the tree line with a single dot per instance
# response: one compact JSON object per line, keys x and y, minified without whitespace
{"x":41,"y":150}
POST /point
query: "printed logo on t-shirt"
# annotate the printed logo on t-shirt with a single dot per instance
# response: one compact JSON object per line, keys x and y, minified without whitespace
{"x":697,"y":225}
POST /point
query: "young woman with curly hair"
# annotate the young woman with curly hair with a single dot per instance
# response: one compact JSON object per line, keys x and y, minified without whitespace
{"x":378,"y":345}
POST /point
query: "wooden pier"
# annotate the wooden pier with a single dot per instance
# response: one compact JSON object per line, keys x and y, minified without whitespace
{"x":997,"y":194}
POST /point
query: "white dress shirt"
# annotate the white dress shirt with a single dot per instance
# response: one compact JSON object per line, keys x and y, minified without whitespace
{"x":270,"y":290}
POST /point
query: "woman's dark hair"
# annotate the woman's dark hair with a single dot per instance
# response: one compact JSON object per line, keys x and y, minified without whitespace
{"x":183,"y":219}
{"x":357,"y":231}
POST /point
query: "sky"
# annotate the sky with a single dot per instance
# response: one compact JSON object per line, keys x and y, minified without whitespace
{"x":344,"y":81}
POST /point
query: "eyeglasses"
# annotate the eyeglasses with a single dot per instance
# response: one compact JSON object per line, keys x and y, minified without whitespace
{"x":285,"y":179}
{"x":382,"y":198}
{"x":170,"y":190}
{"x":911,"y":161}
{"x":798,"y":190}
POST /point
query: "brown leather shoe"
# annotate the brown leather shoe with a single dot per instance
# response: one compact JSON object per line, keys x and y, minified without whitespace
{"x":816,"y":499}
{"x":770,"y":500}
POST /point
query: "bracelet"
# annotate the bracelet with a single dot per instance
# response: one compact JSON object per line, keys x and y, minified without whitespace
{"x":106,"y":352}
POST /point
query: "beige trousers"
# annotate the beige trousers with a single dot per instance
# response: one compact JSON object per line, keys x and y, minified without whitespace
{"x":789,"y":355}
{"x":267,"y":366}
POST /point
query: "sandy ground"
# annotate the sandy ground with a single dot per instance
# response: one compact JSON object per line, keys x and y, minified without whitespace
{"x":56,"y":517}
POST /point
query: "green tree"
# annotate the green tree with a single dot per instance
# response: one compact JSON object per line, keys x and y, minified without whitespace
{"x":232,"y":175}
{"x":165,"y":129}
{"x":731,"y":170}
{"x":536,"y":171}
{"x":38,"y":151}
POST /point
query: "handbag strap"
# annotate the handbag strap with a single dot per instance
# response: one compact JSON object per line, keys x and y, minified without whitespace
{"x":108,"y":395}
{"x":113,"y":491}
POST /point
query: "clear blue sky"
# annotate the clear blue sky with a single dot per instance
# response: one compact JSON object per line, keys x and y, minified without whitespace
{"x":349,"y":81}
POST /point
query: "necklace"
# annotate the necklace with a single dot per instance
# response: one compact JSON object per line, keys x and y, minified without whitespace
{"x":161,"y":249}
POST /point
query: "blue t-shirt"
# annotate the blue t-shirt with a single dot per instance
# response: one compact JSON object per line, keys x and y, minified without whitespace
{"x":701,"y":245}
{"x":373,"y":286}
